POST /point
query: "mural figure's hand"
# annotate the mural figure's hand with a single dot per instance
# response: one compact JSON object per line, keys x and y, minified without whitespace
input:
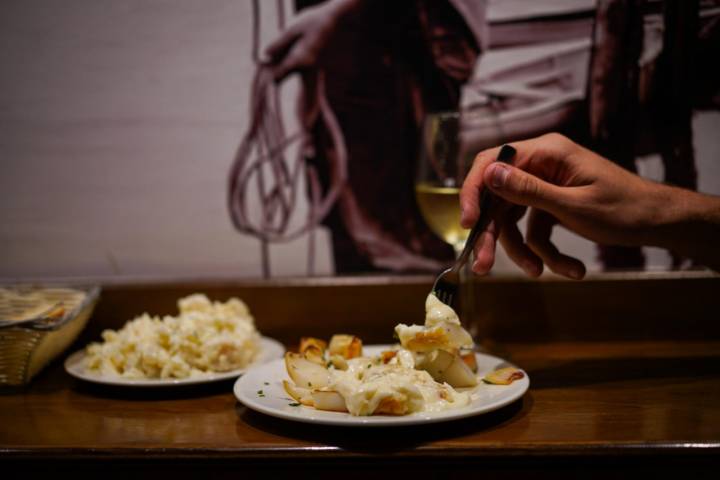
{"x":300,"y":46}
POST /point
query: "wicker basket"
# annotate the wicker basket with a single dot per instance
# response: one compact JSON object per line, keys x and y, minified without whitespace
{"x":25,"y":349}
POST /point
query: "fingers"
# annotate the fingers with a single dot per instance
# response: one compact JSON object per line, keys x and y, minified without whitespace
{"x":539,"y":229}
{"x":533,"y":154}
{"x":523,"y":188}
{"x":280,"y":46}
{"x":289,"y":53}
{"x":292,"y":61}
{"x":512,"y":241}
{"x":284,"y":55}
{"x":472,"y":187}
{"x":542,"y":175}
{"x":484,"y":249}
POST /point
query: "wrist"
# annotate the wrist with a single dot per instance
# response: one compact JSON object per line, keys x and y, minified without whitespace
{"x":689,"y":225}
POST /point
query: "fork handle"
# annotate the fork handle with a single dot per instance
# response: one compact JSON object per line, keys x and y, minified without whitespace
{"x":487,"y":200}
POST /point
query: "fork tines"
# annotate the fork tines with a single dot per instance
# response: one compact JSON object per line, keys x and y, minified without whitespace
{"x":445,"y":288}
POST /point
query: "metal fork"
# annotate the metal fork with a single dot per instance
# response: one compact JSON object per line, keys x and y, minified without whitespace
{"x":447,"y":283}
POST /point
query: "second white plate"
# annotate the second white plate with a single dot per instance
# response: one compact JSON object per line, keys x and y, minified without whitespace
{"x":261,"y":390}
{"x":75,"y":365}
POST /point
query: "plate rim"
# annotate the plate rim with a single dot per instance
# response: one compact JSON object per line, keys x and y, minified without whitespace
{"x":346,"y":420}
{"x":74,"y":368}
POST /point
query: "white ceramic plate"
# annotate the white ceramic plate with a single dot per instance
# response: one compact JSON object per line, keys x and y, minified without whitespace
{"x":275,"y":401}
{"x":75,"y":366}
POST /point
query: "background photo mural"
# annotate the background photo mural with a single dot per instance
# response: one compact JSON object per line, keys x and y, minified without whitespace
{"x":244,"y":139}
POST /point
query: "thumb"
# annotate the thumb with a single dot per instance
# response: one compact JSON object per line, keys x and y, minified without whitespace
{"x":522,"y":188}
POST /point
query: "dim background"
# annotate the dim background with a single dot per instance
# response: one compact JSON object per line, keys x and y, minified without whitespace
{"x":118,"y":124}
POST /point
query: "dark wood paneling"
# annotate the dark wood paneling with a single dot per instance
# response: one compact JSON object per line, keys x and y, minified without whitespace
{"x":603,"y":307}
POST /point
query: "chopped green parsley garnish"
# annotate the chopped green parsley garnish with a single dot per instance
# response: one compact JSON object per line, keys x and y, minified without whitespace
{"x":294,"y":404}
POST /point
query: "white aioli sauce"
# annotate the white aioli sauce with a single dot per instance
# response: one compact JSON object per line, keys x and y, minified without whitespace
{"x":442,"y":330}
{"x":368,"y":383}
{"x":365,"y":385}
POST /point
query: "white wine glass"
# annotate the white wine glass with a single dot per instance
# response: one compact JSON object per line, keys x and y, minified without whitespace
{"x":441,"y":169}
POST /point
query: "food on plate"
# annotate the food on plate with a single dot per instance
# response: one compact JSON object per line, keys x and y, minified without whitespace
{"x":470,"y":360}
{"x":503,"y":376}
{"x":312,"y":349}
{"x":204,"y":338}
{"x":440,"y":345}
{"x":442,"y":330}
{"x":447,"y":367}
{"x":419,"y":375}
{"x":346,"y":346}
{"x":368,"y":386}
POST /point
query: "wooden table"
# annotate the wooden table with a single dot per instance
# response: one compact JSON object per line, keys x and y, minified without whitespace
{"x":598,"y":404}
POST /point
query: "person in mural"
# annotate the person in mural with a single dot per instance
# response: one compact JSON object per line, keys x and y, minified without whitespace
{"x":384,"y":65}
{"x":563,"y":183}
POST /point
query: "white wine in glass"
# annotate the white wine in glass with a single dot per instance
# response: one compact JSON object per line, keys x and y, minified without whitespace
{"x":440,"y":207}
{"x":441,"y":170}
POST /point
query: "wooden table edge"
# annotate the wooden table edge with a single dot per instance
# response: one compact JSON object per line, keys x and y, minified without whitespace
{"x":160,"y":453}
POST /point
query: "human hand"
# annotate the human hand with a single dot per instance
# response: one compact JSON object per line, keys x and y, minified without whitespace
{"x":562,"y":183}
{"x":300,"y":46}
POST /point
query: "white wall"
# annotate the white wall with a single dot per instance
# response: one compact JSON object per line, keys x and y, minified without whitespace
{"x":118,"y":123}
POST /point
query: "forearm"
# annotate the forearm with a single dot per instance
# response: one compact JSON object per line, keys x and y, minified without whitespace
{"x":690,"y":226}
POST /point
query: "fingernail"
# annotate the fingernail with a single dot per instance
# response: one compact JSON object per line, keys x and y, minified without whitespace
{"x":499,"y":174}
{"x":530,"y":268}
{"x":476,"y":268}
{"x":575,"y":273}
